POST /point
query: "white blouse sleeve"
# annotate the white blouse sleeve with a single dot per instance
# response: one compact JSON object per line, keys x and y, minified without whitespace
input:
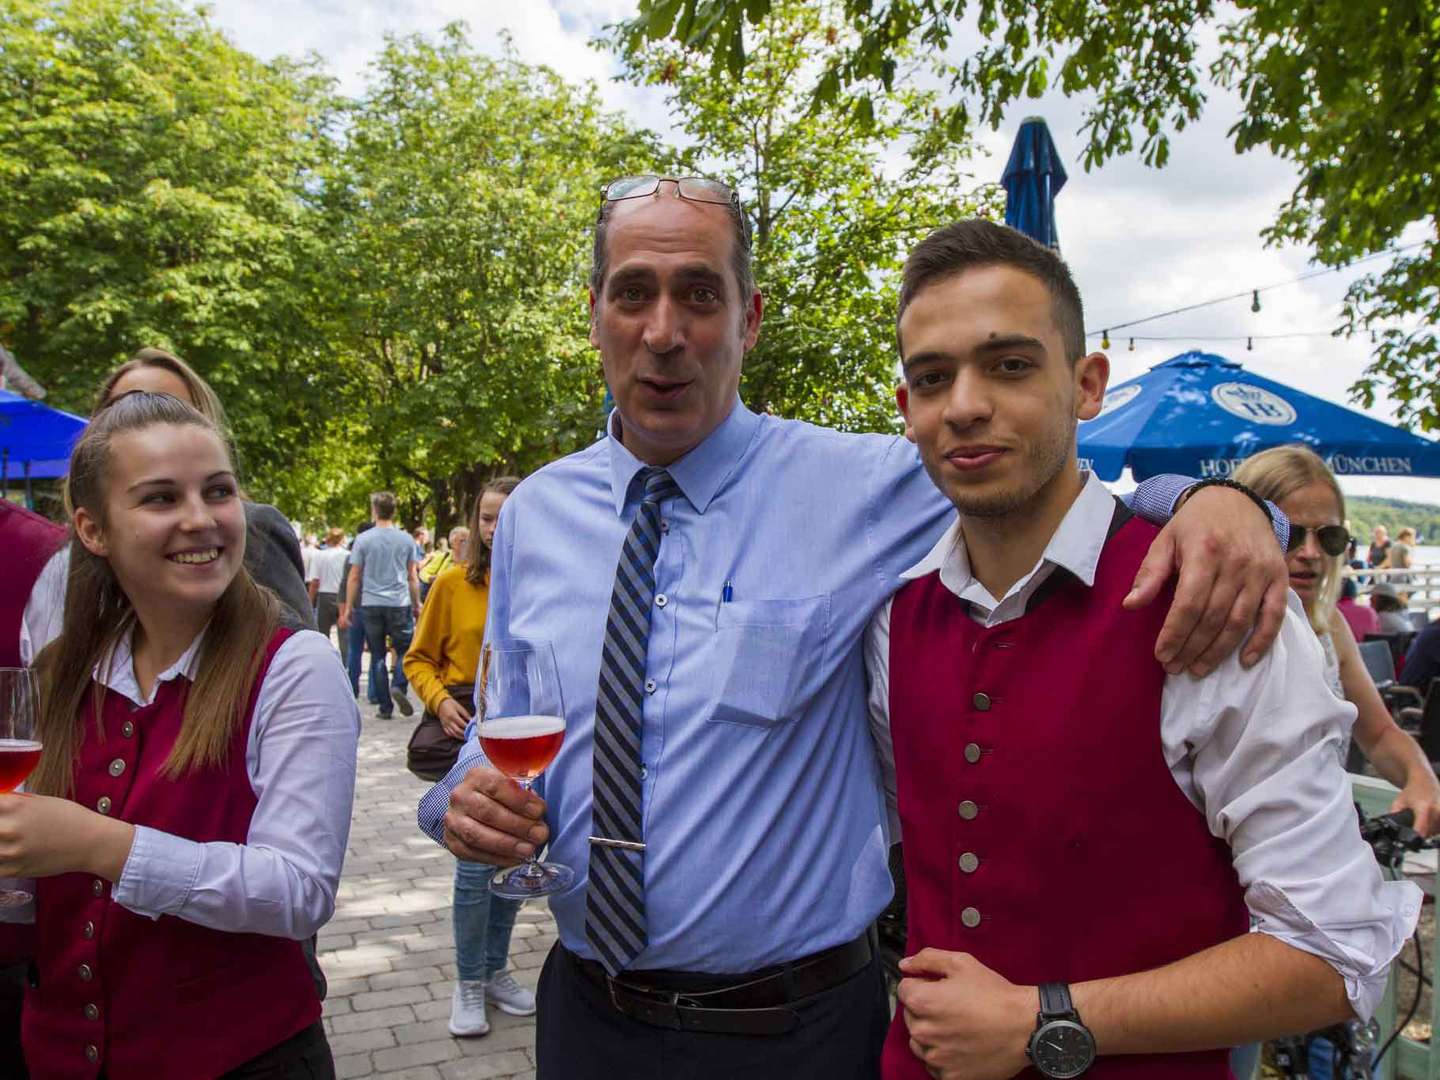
{"x":1258,"y":752}
{"x":301,"y":762}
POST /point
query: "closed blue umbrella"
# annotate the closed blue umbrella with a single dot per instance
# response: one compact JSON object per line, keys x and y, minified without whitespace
{"x":1033,"y":177}
{"x":1199,"y":414}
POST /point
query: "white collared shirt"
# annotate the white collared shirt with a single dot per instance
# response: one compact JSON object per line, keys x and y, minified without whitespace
{"x":300,"y":759}
{"x":1254,"y":750}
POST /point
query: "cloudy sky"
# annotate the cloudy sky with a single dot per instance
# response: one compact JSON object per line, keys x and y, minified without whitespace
{"x":1139,"y":240}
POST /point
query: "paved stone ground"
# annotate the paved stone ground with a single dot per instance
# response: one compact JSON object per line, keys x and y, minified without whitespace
{"x":389,"y":952}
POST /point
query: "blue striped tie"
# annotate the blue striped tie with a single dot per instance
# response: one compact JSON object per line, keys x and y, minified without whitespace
{"x":615,"y":897}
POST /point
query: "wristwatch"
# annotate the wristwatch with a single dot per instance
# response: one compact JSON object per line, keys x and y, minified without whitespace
{"x":1061,"y":1046}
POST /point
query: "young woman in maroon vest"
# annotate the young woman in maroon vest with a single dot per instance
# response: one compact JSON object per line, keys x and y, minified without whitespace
{"x":194,"y":795}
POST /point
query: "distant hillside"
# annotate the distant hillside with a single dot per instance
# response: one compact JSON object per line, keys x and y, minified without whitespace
{"x":1365,"y":512}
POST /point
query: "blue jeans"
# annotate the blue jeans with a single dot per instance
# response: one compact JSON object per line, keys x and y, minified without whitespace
{"x":353,"y":654}
{"x":397,"y":624}
{"x":483,"y":922}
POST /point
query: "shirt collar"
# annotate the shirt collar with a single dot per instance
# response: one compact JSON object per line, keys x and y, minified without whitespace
{"x":118,"y":673}
{"x":701,"y":472}
{"x":1075,"y":545}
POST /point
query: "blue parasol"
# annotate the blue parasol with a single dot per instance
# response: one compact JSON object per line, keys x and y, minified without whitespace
{"x":1033,"y":177}
{"x":35,"y":440}
{"x":1202,"y":415}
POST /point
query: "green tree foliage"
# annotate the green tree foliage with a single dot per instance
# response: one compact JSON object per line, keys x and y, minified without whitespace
{"x":155,"y":188}
{"x":460,"y":212}
{"x":1347,"y":91}
{"x":835,"y":206}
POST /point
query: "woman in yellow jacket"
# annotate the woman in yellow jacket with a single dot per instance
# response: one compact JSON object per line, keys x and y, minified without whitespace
{"x":441,"y":666}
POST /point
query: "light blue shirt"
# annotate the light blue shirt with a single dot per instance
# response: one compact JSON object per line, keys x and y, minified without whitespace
{"x":763,"y":812}
{"x":384,"y":555}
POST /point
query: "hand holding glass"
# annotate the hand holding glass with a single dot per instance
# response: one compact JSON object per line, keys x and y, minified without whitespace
{"x":521,"y":726}
{"x":19,"y":748}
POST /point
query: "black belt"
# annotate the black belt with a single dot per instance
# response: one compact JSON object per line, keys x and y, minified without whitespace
{"x":759,"y":1003}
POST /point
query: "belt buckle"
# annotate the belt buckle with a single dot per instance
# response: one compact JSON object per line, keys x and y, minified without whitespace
{"x":666,"y":1003}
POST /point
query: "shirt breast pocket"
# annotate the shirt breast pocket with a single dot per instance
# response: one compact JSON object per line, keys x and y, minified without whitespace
{"x":768,"y":659}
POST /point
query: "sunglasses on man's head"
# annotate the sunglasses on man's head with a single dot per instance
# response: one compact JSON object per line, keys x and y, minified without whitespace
{"x":1333,"y":539}
{"x":694,"y":188}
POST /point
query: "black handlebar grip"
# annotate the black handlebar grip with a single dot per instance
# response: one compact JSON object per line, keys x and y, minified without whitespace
{"x":1403,"y":817}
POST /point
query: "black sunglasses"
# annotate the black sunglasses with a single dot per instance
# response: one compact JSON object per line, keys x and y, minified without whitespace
{"x":1333,"y":539}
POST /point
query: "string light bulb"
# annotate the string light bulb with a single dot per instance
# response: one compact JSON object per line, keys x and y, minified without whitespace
{"x":1132,"y":344}
{"x":1104,"y":339}
{"x":1255,"y":301}
{"x":1249,"y":344}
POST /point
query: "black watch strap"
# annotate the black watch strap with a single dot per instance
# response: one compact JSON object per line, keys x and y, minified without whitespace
{"x":1235,"y":485}
{"x":1055,"y":1001}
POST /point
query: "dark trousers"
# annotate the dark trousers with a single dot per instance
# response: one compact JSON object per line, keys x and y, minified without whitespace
{"x":327,"y":614}
{"x":579,"y":1035}
{"x":354,"y":655}
{"x":397,"y":625}
{"x":304,"y":1056}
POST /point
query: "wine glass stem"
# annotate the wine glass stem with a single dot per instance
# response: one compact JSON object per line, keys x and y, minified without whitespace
{"x":531,"y":866}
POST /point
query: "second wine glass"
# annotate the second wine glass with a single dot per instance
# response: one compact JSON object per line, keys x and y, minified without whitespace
{"x":521,"y":726}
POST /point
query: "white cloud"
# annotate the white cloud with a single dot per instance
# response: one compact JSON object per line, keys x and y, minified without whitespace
{"x":1139,"y":240}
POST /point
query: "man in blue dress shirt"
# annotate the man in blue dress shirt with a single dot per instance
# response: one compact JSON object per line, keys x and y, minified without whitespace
{"x":764,"y":846}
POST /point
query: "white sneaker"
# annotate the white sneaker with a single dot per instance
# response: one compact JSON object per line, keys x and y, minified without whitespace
{"x":509,"y":996}
{"x":467,"y":1009}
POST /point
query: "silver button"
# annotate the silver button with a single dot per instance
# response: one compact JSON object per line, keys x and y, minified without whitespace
{"x":92,"y":1053}
{"x":97,"y":887}
{"x":127,"y":729}
{"x":981,"y":702}
{"x":972,"y":752}
{"x":661,"y":600}
{"x":103,"y":804}
{"x":85,"y":973}
{"x":92,"y":1011}
{"x":969,"y":862}
{"x":117,"y":767}
{"x":649,"y":686}
{"x":88,"y":931}
{"x":644,"y":772}
{"x":969,"y":810}
{"x":970,"y":917}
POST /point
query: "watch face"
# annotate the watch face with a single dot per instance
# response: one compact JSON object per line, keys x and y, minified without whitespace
{"x":1062,"y":1049}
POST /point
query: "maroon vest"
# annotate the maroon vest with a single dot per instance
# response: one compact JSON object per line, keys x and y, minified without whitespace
{"x":159,"y":999}
{"x":26,"y":543}
{"x":1043,"y":831}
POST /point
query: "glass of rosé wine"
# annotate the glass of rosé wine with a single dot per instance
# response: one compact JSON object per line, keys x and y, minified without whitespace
{"x":19,"y":746}
{"x":521,"y":725}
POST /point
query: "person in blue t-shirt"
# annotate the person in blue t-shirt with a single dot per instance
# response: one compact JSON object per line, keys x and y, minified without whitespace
{"x":385,"y":583}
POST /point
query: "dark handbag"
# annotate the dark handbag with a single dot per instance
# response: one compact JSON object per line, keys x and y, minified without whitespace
{"x":432,"y":753}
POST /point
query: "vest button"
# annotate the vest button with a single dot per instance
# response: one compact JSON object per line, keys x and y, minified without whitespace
{"x":92,"y":1053}
{"x":85,"y":973}
{"x":969,"y":810}
{"x":970,"y":917}
{"x":103,"y":804}
{"x":969,"y":862}
{"x":92,"y":1011}
{"x":97,"y":887}
{"x":127,"y":729}
{"x":981,"y":702}
{"x":972,"y":752}
{"x":89,"y":931}
{"x":117,"y":767}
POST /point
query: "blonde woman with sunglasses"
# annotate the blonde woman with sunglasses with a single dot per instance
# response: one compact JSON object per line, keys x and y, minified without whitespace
{"x":1298,"y":481}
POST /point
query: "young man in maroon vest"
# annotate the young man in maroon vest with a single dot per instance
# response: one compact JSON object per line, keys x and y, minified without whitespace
{"x":1088,"y":839}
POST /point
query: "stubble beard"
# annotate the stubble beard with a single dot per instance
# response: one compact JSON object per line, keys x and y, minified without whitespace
{"x":1045,"y":459}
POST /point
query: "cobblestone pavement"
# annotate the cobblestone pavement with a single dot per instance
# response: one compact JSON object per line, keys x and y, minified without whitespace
{"x":389,"y":952}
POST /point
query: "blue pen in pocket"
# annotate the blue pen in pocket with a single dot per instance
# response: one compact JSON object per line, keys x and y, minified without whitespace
{"x":727,"y":593}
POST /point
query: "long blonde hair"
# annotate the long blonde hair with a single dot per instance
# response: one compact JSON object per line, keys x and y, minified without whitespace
{"x":98,"y":614}
{"x":1276,"y":475}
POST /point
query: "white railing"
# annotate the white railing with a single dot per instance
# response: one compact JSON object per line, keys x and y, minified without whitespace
{"x":1422,"y":583}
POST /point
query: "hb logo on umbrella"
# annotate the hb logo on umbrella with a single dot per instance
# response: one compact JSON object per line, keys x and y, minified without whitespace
{"x":1252,"y":403}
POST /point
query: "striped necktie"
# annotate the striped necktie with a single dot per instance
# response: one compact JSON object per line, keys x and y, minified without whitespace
{"x":615,"y":895}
